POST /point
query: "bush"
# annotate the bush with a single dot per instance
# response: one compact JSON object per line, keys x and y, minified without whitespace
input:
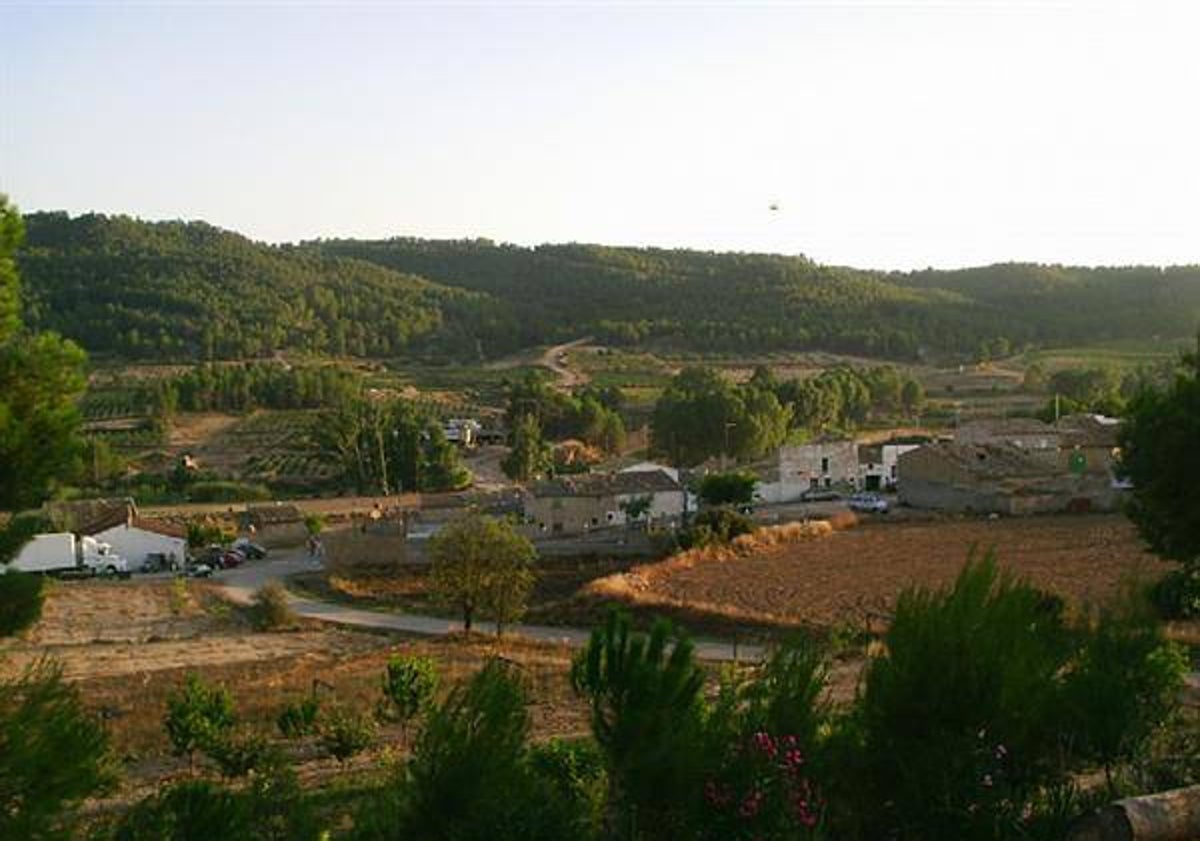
{"x":271,"y":808}
{"x":271,"y":609}
{"x":21,"y":598}
{"x":52,"y":753}
{"x":345,"y":733}
{"x":301,"y":718}
{"x":727,"y":488}
{"x":409,"y":683}
{"x":959,"y":725}
{"x":574,"y":770}
{"x":219,"y":491}
{"x":238,"y":754}
{"x":199,"y":716}
{"x":1177,"y":594}
{"x":469,"y":779}
{"x":715,"y":526}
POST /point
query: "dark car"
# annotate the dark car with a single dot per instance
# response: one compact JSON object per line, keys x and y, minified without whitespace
{"x":160,"y":562}
{"x":253,"y":551}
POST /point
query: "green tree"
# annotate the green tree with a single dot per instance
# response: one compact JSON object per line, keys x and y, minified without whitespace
{"x":198,"y":716}
{"x":53,"y":754}
{"x":481,"y":565}
{"x":408,"y":686}
{"x":727,"y":488}
{"x":1160,"y":457}
{"x":530,"y":456}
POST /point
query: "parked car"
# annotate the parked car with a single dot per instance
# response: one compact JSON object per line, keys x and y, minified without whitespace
{"x":232,"y":558}
{"x":160,"y":562}
{"x":869,"y":503}
{"x":820,"y":495}
{"x":198,"y":570}
{"x":253,"y":551}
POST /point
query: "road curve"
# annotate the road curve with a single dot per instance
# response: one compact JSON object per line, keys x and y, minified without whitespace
{"x":239,"y":585}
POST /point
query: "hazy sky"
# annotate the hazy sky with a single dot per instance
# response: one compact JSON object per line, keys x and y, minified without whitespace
{"x":892,"y":134}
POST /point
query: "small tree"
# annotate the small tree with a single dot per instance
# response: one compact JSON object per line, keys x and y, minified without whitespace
{"x":271,"y":609}
{"x":314,"y":524}
{"x":198,"y":717}
{"x":530,"y":456}
{"x":727,"y":488}
{"x":482,"y":565}
{"x":300,"y":718}
{"x":52,"y":753}
{"x":637,"y":507}
{"x":21,"y":594}
{"x":345,"y":733}
{"x":409,"y":684}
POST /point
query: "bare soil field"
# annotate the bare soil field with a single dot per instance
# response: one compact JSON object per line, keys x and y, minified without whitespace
{"x":854,"y":576}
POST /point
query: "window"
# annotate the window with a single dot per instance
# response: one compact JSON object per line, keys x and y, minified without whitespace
{"x":828,"y":482}
{"x":814,"y":483}
{"x":825,"y":464}
{"x":611,"y":516}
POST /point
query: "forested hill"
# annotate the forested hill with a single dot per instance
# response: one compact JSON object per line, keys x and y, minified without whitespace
{"x":705,"y":300}
{"x":174,"y":290}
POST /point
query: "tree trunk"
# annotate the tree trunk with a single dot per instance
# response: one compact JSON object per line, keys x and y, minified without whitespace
{"x":1167,"y":816}
{"x":468,"y":611}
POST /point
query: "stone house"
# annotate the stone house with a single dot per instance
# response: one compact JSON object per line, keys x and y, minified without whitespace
{"x":817,"y":465}
{"x":573,"y":505}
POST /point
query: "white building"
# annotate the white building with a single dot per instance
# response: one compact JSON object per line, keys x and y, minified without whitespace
{"x":878,"y":468}
{"x":816,"y":466}
{"x":138,"y":538}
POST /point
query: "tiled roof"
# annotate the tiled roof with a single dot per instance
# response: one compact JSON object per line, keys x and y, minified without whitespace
{"x":606,"y":484}
{"x":89,"y":516}
{"x":991,"y":461}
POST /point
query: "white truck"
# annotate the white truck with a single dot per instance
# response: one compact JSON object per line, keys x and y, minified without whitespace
{"x":62,"y":553}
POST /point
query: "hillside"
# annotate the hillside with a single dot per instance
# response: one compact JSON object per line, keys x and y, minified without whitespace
{"x":174,"y":290}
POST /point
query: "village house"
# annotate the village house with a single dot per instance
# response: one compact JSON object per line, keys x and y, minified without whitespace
{"x":803,"y":467}
{"x":573,"y":505}
{"x":138,"y":539}
{"x":997,"y":478}
{"x":878,"y":465}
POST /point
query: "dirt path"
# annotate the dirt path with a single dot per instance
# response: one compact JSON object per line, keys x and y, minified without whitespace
{"x":552,"y":359}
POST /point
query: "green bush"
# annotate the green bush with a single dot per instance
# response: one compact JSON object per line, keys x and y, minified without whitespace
{"x":21,"y":598}
{"x":223,"y":491}
{"x":715,"y":526}
{"x":238,"y":754}
{"x":469,"y":779}
{"x":52,"y":753}
{"x":733,"y":488}
{"x":198,"y":716}
{"x":960,"y":724}
{"x":574,"y":770}
{"x":271,"y":808}
{"x":1177,"y":594}
{"x":345,"y":733}
{"x":271,"y":609}
{"x":647,"y":716}
{"x":408,"y":685}
{"x":300,"y":718}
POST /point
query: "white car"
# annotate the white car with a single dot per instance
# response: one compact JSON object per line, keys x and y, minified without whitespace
{"x":870,"y":503}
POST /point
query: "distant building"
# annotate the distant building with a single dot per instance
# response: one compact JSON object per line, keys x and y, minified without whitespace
{"x":575,"y":505}
{"x":878,"y":465}
{"x":813,"y":466}
{"x":88,"y":516}
{"x":998,"y":478}
{"x":136,"y":540}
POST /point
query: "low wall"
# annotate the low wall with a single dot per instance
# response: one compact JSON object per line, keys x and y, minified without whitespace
{"x":372,"y":548}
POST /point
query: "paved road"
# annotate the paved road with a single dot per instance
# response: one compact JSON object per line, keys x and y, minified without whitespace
{"x":239,"y":584}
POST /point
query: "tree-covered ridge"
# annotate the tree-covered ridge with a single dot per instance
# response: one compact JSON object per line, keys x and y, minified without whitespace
{"x":179,"y":290}
{"x":174,"y":290}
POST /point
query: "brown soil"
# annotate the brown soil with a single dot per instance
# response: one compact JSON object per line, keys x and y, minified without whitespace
{"x":853,"y":576}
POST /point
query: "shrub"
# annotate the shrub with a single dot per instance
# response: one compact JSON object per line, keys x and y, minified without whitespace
{"x":21,"y":597}
{"x":733,"y":488}
{"x":300,"y":718}
{"x":271,"y":609}
{"x":715,"y":525}
{"x":179,"y":596}
{"x":647,"y":715}
{"x":574,"y":770}
{"x":314,"y":523}
{"x":959,"y":724}
{"x":1177,"y":594}
{"x":1122,"y":687}
{"x":238,"y":754}
{"x":198,"y":717}
{"x":469,"y":779}
{"x":52,"y":753}
{"x":219,"y":491}
{"x":408,"y":685}
{"x":271,"y":808}
{"x":345,"y":733}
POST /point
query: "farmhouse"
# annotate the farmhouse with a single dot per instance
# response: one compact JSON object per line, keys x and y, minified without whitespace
{"x":1024,"y":433}
{"x":996,"y":478}
{"x":878,"y":465}
{"x":578,"y":504}
{"x":140,"y":537}
{"x":89,"y":516}
{"x":818,"y":465}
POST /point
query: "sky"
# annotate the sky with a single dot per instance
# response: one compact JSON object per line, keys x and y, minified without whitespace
{"x":889,"y":135}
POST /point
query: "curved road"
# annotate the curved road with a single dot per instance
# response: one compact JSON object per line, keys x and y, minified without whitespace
{"x":239,"y":585}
